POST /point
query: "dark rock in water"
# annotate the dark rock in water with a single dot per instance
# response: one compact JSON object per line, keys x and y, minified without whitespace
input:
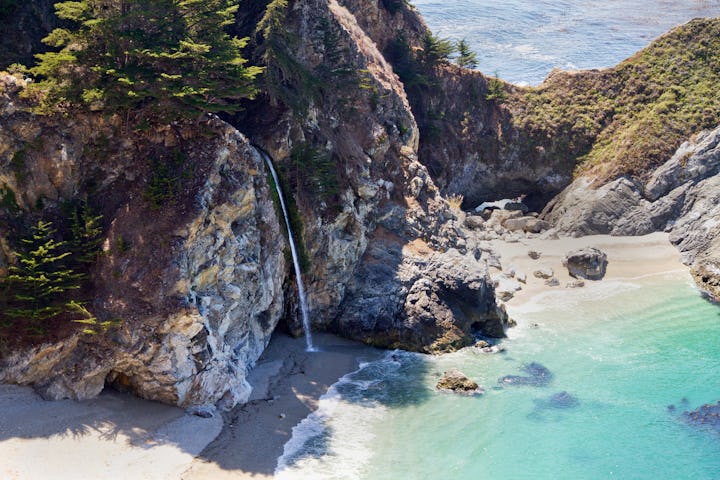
{"x":671,"y":408}
{"x":563,"y":400}
{"x":538,"y":376}
{"x":457,"y":381}
{"x":707,"y":416}
{"x":589,"y":263}
{"x":560,"y":400}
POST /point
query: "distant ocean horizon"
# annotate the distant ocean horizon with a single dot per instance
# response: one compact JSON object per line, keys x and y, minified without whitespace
{"x":522,"y":41}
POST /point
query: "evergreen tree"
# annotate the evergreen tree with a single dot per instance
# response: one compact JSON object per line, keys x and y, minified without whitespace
{"x":39,"y":281}
{"x":466,"y":57}
{"x":86,"y":234}
{"x":171,"y":59}
{"x":496,"y":90}
{"x":435,"y":50}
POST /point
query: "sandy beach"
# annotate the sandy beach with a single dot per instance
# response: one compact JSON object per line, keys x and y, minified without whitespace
{"x":628,"y":258}
{"x":118,"y":436}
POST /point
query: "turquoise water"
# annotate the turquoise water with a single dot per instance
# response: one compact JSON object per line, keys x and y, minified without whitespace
{"x":524,"y":40}
{"x":625,"y":352}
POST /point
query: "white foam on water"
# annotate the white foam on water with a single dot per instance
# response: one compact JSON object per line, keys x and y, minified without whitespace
{"x":336,"y":440}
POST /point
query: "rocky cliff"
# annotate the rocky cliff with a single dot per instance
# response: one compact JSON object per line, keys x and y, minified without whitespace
{"x":194,"y":282}
{"x":194,"y":270}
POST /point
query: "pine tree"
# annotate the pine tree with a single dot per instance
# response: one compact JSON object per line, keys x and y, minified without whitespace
{"x":170,"y":59}
{"x":466,"y":57}
{"x":39,"y":281}
{"x":86,"y":234}
{"x":435,"y":50}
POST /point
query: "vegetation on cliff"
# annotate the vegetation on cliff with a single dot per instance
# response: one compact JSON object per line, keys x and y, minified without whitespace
{"x":158,"y":60}
{"x":627,"y":119}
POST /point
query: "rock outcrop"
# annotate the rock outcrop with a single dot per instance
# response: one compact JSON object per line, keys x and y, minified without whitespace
{"x":196,"y":288}
{"x":456,"y":381}
{"x":589,"y":263}
{"x":682,"y":197}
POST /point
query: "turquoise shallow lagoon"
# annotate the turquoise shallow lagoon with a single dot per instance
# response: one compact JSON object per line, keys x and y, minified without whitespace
{"x":630,"y":357}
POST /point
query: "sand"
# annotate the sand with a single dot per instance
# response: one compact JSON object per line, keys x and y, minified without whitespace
{"x":255,"y":433}
{"x":629,"y":258}
{"x":117,"y":436}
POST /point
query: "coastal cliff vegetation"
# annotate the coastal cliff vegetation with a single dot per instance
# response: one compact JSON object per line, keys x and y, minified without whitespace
{"x":630,"y":118}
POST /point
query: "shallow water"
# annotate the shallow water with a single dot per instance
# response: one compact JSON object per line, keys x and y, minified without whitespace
{"x":622,"y":355}
{"x":524,"y":40}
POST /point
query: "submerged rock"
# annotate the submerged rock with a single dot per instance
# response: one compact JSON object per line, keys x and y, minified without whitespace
{"x":457,"y":381}
{"x":589,"y":263}
{"x":562,"y":400}
{"x":538,"y":376}
{"x":707,"y":416}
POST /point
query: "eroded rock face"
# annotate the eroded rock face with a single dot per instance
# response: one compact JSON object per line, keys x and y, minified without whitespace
{"x":589,"y":263}
{"x":430,"y":301}
{"x":682,"y":197}
{"x":198,"y":292}
{"x":456,"y":381}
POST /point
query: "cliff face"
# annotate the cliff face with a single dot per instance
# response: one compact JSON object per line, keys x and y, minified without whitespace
{"x":379,"y":197}
{"x":195,"y":283}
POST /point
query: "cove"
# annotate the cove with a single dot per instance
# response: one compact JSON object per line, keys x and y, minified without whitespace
{"x":626,"y":361}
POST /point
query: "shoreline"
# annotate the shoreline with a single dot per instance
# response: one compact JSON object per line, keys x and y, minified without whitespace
{"x":120,"y":436}
{"x":288,"y":383}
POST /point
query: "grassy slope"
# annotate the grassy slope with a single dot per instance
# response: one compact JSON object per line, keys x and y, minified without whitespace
{"x":627,"y":119}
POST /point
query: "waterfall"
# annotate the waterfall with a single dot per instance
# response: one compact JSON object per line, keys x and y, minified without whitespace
{"x":293,"y":249}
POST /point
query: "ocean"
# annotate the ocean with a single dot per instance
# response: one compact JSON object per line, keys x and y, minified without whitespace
{"x":625,"y":361}
{"x":522,"y":41}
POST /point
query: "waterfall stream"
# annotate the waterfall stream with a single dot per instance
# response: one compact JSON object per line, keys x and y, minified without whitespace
{"x":293,"y":249}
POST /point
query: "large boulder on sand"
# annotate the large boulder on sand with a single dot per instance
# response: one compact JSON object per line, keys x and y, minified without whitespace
{"x":589,"y":263}
{"x":457,"y":381}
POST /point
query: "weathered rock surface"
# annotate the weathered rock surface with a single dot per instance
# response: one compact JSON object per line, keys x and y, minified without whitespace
{"x":526,"y":224}
{"x":410,"y":297}
{"x":198,"y":292}
{"x":457,"y":381}
{"x":589,"y":263}
{"x":682,"y":197}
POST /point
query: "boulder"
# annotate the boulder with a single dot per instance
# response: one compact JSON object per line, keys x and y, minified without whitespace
{"x":534,"y":254}
{"x":575,"y":284}
{"x":545,"y":273}
{"x":521,"y":277}
{"x":526,"y":224}
{"x":552,"y":282}
{"x":476,"y":222}
{"x":589,"y":263}
{"x":457,"y":381}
